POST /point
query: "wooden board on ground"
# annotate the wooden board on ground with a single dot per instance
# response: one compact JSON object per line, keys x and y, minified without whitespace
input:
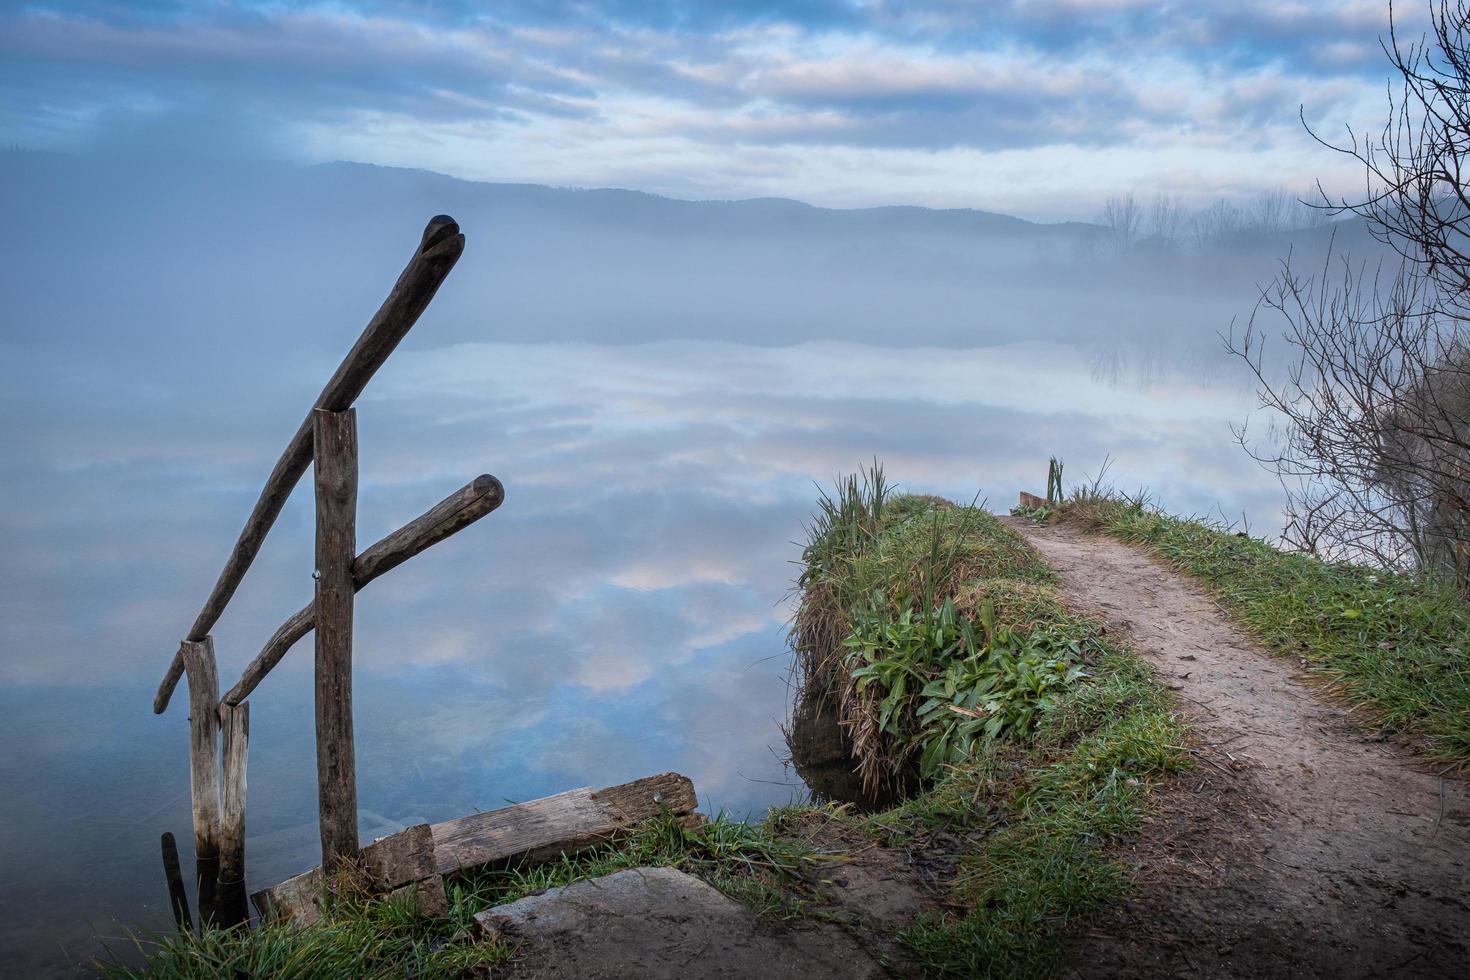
{"x":1032,"y":502}
{"x":542,"y":830}
{"x":567,"y":823}
{"x":398,"y":860}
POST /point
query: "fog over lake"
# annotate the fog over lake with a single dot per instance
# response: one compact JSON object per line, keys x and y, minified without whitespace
{"x":660,"y":385}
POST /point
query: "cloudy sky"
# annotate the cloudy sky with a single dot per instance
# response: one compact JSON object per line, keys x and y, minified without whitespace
{"x":1037,"y":107}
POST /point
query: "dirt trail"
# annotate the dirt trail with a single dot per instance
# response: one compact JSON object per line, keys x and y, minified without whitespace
{"x":1305,"y":845}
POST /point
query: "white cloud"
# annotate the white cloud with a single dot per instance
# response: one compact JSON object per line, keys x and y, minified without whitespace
{"x":1042,"y":109}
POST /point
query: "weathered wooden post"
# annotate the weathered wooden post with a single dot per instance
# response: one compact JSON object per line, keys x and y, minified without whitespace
{"x":235,"y":726}
{"x":203,"y":676}
{"x":335,"y":435}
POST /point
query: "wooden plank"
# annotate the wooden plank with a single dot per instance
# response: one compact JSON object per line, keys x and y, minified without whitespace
{"x":567,"y":823}
{"x":299,"y":899}
{"x":199,"y":664}
{"x":427,"y":896}
{"x":386,"y":865}
{"x":520,"y":835}
{"x":454,"y":513}
{"x":439,"y":249}
{"x":336,"y":543}
{"x":399,"y":858}
{"x":1032,"y":502}
{"x":178,"y":899}
{"x":235,"y":725}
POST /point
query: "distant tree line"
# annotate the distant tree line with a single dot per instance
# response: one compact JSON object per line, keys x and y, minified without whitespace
{"x":1165,"y":224}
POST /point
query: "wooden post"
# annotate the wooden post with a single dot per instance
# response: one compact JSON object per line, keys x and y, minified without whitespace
{"x":439,"y":248}
{"x":336,"y":544}
{"x":235,"y":725}
{"x":198,"y":657}
{"x":178,"y":899}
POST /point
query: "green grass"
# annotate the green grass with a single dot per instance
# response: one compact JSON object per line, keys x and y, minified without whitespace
{"x":1065,"y":733}
{"x":1042,"y":820}
{"x":360,"y":937}
{"x":1395,"y":644}
{"x":380,"y":937}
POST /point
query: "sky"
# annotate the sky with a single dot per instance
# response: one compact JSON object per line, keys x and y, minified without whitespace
{"x":1041,"y":108}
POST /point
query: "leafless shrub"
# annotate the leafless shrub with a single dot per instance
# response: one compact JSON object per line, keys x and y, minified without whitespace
{"x":1217,"y":225}
{"x":1122,"y":217}
{"x":1372,"y":407}
{"x":1167,"y":219}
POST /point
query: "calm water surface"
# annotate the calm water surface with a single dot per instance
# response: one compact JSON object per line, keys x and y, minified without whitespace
{"x":622,"y":614}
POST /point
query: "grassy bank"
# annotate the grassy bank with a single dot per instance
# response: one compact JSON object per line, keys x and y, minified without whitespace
{"x":935,"y":633}
{"x":1394,"y":644}
{"x":376,"y":937}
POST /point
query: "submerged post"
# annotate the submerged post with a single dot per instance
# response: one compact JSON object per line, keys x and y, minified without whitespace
{"x":335,"y":437}
{"x":235,"y":726}
{"x":178,"y":899}
{"x":199,"y":666}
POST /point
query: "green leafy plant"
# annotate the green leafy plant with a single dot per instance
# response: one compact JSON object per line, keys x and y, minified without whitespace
{"x":997,"y":693}
{"x":942,"y":681}
{"x":891,"y":657}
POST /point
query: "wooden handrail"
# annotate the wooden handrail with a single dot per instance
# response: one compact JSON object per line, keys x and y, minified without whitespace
{"x":457,"y":511}
{"x":440,"y":248}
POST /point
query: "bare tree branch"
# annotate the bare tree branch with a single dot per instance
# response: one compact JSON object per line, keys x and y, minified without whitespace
{"x":1371,"y":406}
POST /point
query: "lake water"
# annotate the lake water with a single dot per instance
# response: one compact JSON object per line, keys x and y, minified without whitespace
{"x":622,"y":614}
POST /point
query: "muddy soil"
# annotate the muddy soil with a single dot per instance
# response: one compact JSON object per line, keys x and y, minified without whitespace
{"x":1305,"y":845}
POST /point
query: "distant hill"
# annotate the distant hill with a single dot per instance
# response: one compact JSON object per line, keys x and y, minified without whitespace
{"x":636,"y":210}
{"x":195,"y":256}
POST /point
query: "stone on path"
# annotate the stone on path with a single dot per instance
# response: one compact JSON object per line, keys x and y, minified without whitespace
{"x":659,"y":924}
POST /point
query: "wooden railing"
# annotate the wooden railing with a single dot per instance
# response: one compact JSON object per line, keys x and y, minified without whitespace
{"x":219,"y":727}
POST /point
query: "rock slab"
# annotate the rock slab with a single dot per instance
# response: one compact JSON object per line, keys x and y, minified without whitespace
{"x":661,"y":924}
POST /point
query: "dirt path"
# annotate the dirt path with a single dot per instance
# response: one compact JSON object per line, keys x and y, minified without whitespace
{"x":1304,"y":846}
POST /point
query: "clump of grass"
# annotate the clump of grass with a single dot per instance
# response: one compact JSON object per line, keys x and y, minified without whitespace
{"x":864,"y":538}
{"x":1023,"y":606}
{"x":1394,"y":643}
{"x":915,"y":677}
{"x":359,"y":936}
